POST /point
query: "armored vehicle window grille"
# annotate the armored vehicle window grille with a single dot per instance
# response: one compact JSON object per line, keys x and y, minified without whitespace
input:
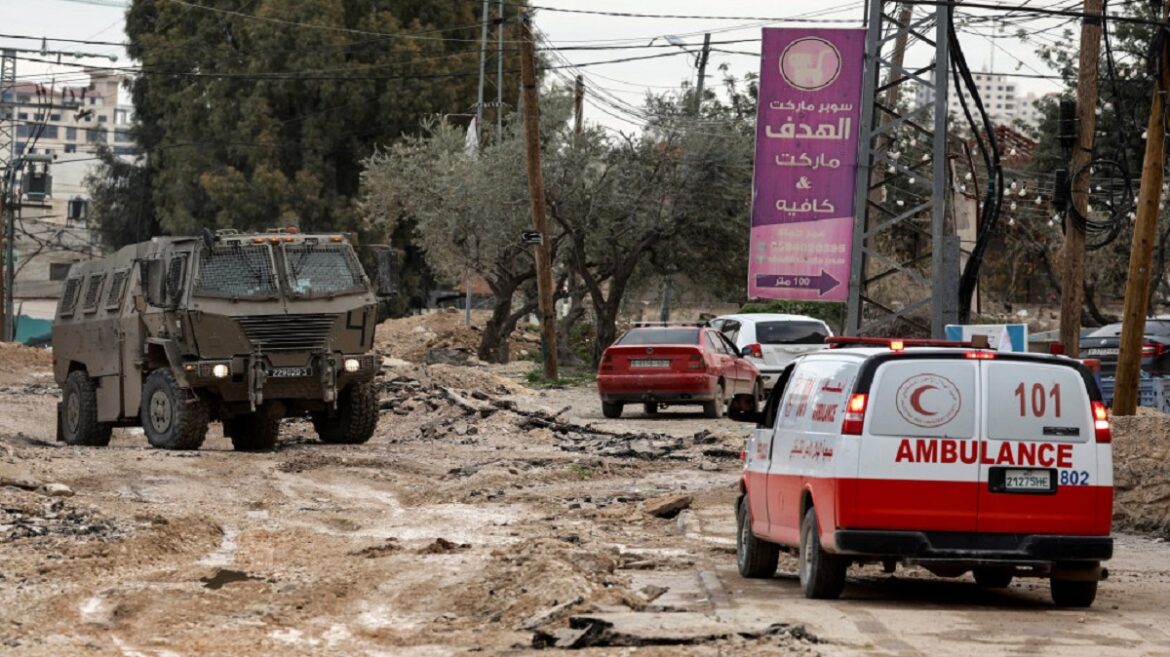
{"x":175,"y":271}
{"x":314,"y":270}
{"x":299,"y":332}
{"x":69,"y":296}
{"x":117,"y":287}
{"x":93,"y":289}
{"x":243,"y":272}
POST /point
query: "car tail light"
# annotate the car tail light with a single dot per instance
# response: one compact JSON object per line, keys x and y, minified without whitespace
{"x":854,"y":415}
{"x":980,"y":355}
{"x":756,"y":351}
{"x":1153,"y":350}
{"x":695,"y":362}
{"x":607,"y":363}
{"x":1101,"y":423}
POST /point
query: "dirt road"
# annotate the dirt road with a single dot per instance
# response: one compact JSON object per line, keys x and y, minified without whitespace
{"x":475,"y":520}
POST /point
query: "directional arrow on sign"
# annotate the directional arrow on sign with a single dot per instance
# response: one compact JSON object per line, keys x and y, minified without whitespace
{"x":531,"y":237}
{"x":822,"y":282}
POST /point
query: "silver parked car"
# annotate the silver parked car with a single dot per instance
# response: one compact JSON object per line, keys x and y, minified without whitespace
{"x":771,"y":340}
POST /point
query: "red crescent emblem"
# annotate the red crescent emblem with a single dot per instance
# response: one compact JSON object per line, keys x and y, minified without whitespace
{"x":916,"y":399}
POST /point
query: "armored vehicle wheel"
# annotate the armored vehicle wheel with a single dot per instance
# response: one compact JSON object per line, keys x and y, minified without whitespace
{"x":78,"y":421}
{"x":255,"y":432}
{"x":170,"y":417}
{"x":356,"y":417}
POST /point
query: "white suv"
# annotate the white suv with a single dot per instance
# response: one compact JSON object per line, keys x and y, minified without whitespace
{"x":771,"y":341}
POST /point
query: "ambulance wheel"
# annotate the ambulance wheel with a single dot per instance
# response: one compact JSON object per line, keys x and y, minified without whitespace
{"x":756,"y":558}
{"x":1073,"y":593}
{"x":993,"y":578}
{"x":611,"y":410}
{"x":714,"y":408}
{"x":650,"y":408}
{"x":77,"y":420}
{"x":822,"y":575}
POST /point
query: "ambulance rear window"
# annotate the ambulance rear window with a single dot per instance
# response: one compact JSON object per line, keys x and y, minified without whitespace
{"x":1037,"y":402}
{"x":923,"y":398}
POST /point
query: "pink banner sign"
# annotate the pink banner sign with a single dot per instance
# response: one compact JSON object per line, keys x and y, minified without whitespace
{"x":806,"y":162}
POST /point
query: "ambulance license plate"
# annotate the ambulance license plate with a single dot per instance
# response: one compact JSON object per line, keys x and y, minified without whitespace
{"x":1027,"y":480}
{"x":288,"y":372}
{"x":650,"y":362}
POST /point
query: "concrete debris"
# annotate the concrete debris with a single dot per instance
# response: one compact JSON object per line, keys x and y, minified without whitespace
{"x":667,"y":506}
{"x":627,"y":630}
{"x":57,"y":490}
{"x":443,"y":546}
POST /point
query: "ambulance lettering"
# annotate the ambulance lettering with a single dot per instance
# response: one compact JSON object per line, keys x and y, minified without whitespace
{"x":949,"y":450}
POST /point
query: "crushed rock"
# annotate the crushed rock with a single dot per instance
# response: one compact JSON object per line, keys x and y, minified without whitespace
{"x":1141,"y":472}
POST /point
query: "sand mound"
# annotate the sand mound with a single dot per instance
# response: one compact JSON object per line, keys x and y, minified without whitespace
{"x":410,"y":338}
{"x":21,"y":364}
{"x":1141,"y":472}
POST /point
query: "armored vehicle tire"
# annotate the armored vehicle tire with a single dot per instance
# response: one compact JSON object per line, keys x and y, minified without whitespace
{"x":170,"y":418}
{"x":822,"y":575}
{"x":78,"y":421}
{"x":255,"y":432}
{"x":356,"y":417}
{"x":756,"y":558}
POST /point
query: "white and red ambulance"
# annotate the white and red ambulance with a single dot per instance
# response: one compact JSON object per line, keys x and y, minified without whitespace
{"x":951,"y":457}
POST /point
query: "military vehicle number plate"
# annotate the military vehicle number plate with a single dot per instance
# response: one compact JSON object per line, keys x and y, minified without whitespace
{"x":288,"y":372}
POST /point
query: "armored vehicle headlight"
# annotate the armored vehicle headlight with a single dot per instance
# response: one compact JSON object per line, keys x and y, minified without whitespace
{"x":220,"y":371}
{"x":352,"y":365}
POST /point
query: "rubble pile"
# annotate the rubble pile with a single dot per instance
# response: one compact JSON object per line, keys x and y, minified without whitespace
{"x":20,"y":364}
{"x":32,"y":515}
{"x":461,"y":411}
{"x":443,"y":337}
{"x":1141,"y":472}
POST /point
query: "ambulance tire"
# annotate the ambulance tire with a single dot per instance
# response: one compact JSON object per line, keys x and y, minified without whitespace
{"x":756,"y":558}
{"x":822,"y":575}
{"x":714,"y":408}
{"x":1073,"y":593}
{"x":992,"y":578}
{"x":611,"y":410}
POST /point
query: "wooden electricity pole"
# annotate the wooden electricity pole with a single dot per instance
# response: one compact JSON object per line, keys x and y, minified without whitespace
{"x":1072,"y":279}
{"x":579,"y":107}
{"x":1133,"y":319}
{"x":544,"y":282}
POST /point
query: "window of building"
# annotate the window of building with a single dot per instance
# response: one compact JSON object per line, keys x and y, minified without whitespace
{"x":124,"y":150}
{"x":70,"y":148}
{"x":71,"y":134}
{"x":24,"y":98}
{"x":59,"y":271}
{"x":23,"y":116}
{"x":54,"y":117}
{"x":50,"y":132}
{"x":121,"y":136}
{"x":102,"y":118}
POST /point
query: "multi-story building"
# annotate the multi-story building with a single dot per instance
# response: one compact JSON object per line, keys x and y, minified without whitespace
{"x":1000,"y":95}
{"x":58,"y":130}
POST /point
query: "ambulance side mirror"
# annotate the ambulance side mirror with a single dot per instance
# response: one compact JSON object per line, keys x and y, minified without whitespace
{"x":744,"y":409}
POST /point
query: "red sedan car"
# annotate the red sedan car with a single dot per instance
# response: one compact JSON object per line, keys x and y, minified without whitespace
{"x":674,"y":365}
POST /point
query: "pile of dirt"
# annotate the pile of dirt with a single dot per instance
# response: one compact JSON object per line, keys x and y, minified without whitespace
{"x":21,"y":364}
{"x":444,"y":336}
{"x":1141,"y":472}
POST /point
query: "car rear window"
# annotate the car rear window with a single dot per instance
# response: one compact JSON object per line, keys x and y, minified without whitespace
{"x":1036,"y":402}
{"x":660,"y":336}
{"x":794,"y":332}
{"x":923,"y":398}
{"x":1107,"y":331}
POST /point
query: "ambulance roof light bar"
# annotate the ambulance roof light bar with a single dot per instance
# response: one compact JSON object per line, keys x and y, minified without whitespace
{"x":897,"y":344}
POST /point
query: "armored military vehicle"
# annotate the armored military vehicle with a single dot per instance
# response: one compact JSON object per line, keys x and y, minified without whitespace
{"x":244,"y":329}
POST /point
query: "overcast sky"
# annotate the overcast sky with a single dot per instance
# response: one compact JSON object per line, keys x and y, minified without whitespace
{"x":628,"y":82}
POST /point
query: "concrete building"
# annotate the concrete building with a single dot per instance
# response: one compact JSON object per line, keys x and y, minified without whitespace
{"x":58,"y":130}
{"x":1001,"y":96}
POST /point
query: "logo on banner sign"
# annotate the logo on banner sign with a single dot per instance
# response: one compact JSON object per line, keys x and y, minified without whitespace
{"x":928,"y":400}
{"x":810,"y":64}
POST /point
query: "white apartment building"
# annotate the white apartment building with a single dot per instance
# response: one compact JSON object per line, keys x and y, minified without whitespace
{"x":1001,"y":97}
{"x":60,"y":128}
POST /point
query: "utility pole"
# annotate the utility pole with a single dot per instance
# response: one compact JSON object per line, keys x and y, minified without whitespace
{"x":500,"y":76}
{"x":1133,"y":319}
{"x":478,"y":128}
{"x":579,"y":107}
{"x":544,"y":282}
{"x":1072,"y":279}
{"x":668,"y":281}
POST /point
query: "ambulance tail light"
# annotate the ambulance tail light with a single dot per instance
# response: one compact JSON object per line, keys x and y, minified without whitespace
{"x":1101,"y":423}
{"x":980,"y":355}
{"x":854,"y":415}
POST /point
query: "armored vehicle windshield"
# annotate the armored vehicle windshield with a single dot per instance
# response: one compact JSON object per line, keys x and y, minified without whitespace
{"x":315,"y":270}
{"x":237,"y":272}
